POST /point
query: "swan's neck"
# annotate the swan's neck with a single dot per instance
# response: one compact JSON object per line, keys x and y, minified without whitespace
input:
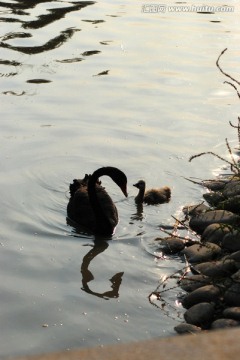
{"x":140,"y":196}
{"x":102,"y":222}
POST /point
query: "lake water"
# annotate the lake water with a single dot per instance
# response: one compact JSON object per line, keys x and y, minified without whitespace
{"x":86,"y":84}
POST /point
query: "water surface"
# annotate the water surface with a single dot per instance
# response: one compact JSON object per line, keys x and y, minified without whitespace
{"x":86,"y":84}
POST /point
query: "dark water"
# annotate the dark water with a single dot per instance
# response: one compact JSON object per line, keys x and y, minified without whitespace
{"x":86,"y":84}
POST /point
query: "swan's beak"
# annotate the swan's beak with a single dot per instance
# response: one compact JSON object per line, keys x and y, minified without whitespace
{"x":136,"y":185}
{"x":124,"y":190}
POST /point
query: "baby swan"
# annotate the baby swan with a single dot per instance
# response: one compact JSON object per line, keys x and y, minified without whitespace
{"x":152,"y":196}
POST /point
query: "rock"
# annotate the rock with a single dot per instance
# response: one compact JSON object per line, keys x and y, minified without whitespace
{"x":214,"y":185}
{"x":214,"y":269}
{"x":213,"y":198}
{"x":230,"y":204}
{"x":171,"y":245}
{"x":232,"y":313}
{"x":234,"y":256}
{"x":200,"y":314}
{"x":190,"y":283}
{"x":232,"y":295}
{"x":232,"y":188}
{"x":207,"y":293}
{"x":200,"y":222}
{"x":231,"y":241}
{"x":224,"y":323}
{"x":214,"y":233}
{"x":187,"y":329}
{"x":198,"y":252}
{"x":236,"y":277}
{"x":194,"y":210}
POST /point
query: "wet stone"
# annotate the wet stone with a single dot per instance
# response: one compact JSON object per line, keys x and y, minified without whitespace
{"x":232,"y":295}
{"x":200,"y":222}
{"x":231,"y":241}
{"x":215,"y":233}
{"x":170,"y":245}
{"x":231,"y":204}
{"x":214,"y":269}
{"x":235,"y":256}
{"x":207,"y":293}
{"x":213,"y":198}
{"x":185,"y":328}
{"x":232,"y":188}
{"x":191,"y":283}
{"x":236,"y":277}
{"x":194,"y":210}
{"x":200,"y":314}
{"x":232,"y":313}
{"x":224,"y":323}
{"x":215,"y":185}
{"x":198,"y":252}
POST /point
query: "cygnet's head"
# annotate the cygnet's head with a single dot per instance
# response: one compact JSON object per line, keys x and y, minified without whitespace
{"x":140,"y":184}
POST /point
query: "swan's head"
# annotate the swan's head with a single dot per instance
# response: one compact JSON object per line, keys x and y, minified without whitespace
{"x":121,"y":181}
{"x":119,"y":178}
{"x":140,"y":184}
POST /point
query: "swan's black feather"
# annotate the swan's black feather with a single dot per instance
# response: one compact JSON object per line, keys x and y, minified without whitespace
{"x":91,"y":206}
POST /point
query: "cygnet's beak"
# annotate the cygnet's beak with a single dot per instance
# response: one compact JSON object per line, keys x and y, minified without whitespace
{"x":136,"y":185}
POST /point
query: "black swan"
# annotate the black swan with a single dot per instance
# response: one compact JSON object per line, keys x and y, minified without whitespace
{"x":152,"y":196}
{"x":90,"y":205}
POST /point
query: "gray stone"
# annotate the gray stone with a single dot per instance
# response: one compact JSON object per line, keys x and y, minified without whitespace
{"x":191,"y":283}
{"x":232,"y":188}
{"x":215,"y":185}
{"x":215,"y":233}
{"x":234,"y":256}
{"x":230,"y":204}
{"x":207,"y":293}
{"x":213,"y":198}
{"x":232,"y":313}
{"x":237,"y":264}
{"x":194,"y":210}
{"x":232,"y":295}
{"x":200,"y":314}
{"x":200,"y":222}
{"x":185,"y":328}
{"x":224,"y":323}
{"x":171,"y":245}
{"x":198,"y":252}
{"x":231,"y":241}
{"x":214,"y":269}
{"x":236,"y":277}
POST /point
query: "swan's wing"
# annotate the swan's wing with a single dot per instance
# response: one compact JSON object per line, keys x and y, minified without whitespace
{"x":78,"y":183}
{"x":79,"y":208}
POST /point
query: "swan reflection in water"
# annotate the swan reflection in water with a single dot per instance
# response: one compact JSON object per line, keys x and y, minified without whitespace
{"x":87,"y":276}
{"x":91,"y":207}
